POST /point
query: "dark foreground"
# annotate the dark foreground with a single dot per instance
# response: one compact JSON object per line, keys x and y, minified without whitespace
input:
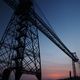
{"x":77,"y":78}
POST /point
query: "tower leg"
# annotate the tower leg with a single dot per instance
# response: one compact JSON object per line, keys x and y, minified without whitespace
{"x":6,"y":74}
{"x":38,"y":76}
{"x":18,"y":74}
{"x":74,"y":69}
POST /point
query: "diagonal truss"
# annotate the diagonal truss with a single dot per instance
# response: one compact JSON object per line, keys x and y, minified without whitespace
{"x":19,"y":48}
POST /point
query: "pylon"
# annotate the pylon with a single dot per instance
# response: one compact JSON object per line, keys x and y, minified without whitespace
{"x":20,"y":49}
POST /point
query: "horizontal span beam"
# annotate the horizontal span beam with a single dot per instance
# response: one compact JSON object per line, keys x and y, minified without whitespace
{"x":45,"y":29}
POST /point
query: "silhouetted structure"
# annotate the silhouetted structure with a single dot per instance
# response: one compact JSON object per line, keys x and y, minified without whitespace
{"x":19,"y":46}
{"x":70,"y":74}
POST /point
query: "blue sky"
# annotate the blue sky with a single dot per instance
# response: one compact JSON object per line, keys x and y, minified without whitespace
{"x":64,"y":16}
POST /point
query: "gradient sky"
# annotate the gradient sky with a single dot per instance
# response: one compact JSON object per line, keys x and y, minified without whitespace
{"x":64,"y":16}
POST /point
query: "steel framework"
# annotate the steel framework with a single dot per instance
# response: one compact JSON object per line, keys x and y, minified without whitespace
{"x":19,"y":46}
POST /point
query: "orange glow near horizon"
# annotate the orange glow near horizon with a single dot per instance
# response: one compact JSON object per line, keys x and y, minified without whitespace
{"x":56,"y":75}
{"x":56,"y":72}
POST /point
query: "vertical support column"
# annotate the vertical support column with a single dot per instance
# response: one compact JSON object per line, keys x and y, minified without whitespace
{"x":74,"y":69}
{"x":70,"y":74}
{"x":20,"y":47}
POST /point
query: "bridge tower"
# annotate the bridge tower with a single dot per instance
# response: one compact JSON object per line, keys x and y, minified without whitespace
{"x":19,"y":46}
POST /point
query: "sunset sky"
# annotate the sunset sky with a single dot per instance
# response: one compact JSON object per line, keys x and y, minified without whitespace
{"x":64,"y":17}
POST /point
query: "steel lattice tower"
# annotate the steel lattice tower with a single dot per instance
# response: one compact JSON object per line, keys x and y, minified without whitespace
{"x":19,"y":47}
